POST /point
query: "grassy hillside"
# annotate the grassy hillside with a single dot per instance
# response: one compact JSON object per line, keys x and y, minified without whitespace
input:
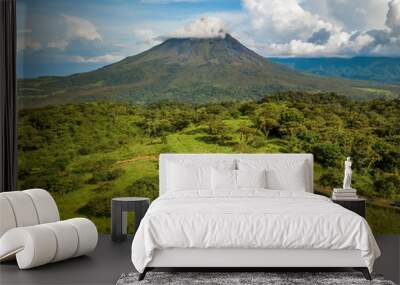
{"x":85,"y":154}
{"x":191,"y":71}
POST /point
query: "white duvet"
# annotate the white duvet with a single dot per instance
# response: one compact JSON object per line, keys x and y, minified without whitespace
{"x":250,"y":219}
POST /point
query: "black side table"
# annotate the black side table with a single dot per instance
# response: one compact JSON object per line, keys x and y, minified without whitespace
{"x":355,"y":205}
{"x":119,"y":208}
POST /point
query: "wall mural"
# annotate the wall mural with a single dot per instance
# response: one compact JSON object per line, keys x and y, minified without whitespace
{"x":105,"y":86}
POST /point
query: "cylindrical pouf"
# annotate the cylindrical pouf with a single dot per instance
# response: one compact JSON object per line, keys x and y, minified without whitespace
{"x":87,"y":235}
{"x":23,"y":208}
{"x":37,"y":245}
{"x":7,"y":218}
{"x":67,"y":240}
{"x":33,"y":246}
{"x":45,"y":205}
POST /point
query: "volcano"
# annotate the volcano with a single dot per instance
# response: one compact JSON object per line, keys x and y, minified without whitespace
{"x":192,"y":70}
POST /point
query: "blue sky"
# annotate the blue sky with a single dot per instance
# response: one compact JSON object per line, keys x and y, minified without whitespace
{"x":59,"y":37}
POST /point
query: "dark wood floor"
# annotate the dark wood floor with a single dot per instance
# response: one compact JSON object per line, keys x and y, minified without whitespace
{"x":389,"y":262}
{"x":110,"y":260}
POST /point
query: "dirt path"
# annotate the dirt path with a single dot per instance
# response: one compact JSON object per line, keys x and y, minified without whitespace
{"x":141,"y":158}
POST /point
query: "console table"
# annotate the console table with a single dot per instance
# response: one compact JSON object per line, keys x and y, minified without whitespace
{"x":119,"y":208}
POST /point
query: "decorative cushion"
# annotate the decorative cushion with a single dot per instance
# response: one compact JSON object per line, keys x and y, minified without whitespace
{"x":285,"y":174}
{"x":251,"y":178}
{"x":189,"y":177}
{"x":223,"y":179}
{"x":184,"y":174}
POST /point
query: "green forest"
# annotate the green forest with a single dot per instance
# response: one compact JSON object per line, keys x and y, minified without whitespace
{"x":87,"y":153}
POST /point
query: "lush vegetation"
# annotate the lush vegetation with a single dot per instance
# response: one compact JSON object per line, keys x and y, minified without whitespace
{"x":89,"y":152}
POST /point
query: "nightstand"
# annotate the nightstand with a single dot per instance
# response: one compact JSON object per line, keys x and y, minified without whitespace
{"x":119,"y":208}
{"x":356,"y":205}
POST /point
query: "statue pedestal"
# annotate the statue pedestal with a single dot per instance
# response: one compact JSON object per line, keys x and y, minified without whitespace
{"x":344,"y":194}
{"x":356,"y":205}
{"x":351,"y":190}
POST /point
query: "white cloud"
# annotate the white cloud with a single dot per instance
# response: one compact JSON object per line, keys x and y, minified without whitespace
{"x":61,"y":44}
{"x":290,"y":28}
{"x":72,"y":28}
{"x":80,"y":28}
{"x":145,"y":37}
{"x":392,"y":48}
{"x":270,"y":27}
{"x":352,"y":14}
{"x":318,"y":27}
{"x":205,"y":27}
{"x":360,"y":42}
{"x":339,"y":44}
{"x":283,"y":28}
{"x":146,"y":34}
{"x":28,"y":44}
{"x":393,"y":17}
{"x":295,"y":47}
{"x":107,"y":58}
{"x":284,"y":20}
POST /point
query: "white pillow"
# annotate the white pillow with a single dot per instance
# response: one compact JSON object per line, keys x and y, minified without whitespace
{"x":175,"y":168}
{"x":294,"y":180}
{"x":283,"y":174}
{"x":223,"y":179}
{"x":251,"y":178}
{"x":188,"y":177}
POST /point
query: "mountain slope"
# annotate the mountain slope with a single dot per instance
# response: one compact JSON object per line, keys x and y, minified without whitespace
{"x":189,"y":70}
{"x":381,"y":69}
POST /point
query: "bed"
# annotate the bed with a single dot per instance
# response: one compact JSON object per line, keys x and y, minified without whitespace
{"x":247,"y":210}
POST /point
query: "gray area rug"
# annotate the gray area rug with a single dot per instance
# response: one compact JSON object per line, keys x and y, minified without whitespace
{"x":229,"y":278}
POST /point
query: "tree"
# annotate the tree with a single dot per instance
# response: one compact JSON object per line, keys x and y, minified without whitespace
{"x":327,"y":154}
{"x":63,"y":183}
{"x":291,"y":122}
{"x":361,"y":150}
{"x":99,"y":206}
{"x":267,"y":117}
{"x":180,"y":120}
{"x":156,"y":128}
{"x":266,"y":124}
{"x":330,"y":177}
{"x":388,"y":156}
{"x":144,"y":187}
{"x":246,"y":133}
{"x":248,"y":108}
{"x":221,"y":131}
{"x":218,"y":129}
{"x":387,"y":184}
{"x":102,"y":175}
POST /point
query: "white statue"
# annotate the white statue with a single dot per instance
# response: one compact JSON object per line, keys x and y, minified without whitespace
{"x":347,"y":174}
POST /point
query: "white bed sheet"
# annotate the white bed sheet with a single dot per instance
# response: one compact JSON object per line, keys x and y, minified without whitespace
{"x":250,"y":218}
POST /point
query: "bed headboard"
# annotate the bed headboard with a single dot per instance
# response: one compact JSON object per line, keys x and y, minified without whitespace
{"x":167,"y":157}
